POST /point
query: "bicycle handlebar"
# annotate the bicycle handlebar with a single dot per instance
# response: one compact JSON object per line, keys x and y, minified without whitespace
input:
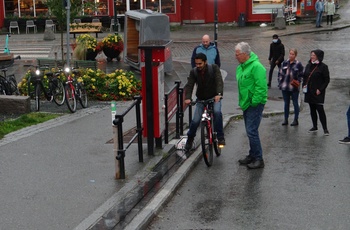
{"x":205,"y":102}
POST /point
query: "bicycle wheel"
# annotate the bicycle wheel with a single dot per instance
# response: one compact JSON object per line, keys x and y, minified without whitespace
{"x":58,"y":93}
{"x":82,"y":95}
{"x":2,"y":86}
{"x":37,"y":97}
{"x":13,"y":85}
{"x":207,"y":146}
{"x":70,"y":98}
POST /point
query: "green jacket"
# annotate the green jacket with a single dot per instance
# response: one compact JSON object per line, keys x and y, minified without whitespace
{"x":252,"y":84}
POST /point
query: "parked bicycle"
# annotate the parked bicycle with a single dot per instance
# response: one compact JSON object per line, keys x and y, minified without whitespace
{"x":209,"y":139}
{"x":8,"y":83}
{"x":74,"y":90}
{"x":53,"y":92}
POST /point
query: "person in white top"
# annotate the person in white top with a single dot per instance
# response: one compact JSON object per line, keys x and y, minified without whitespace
{"x":329,"y":9}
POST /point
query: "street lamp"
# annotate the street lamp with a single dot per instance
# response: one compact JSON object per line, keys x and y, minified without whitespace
{"x":115,"y":16}
{"x":216,"y":22}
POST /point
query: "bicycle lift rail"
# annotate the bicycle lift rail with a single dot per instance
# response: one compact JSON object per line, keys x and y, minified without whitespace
{"x":118,"y":122}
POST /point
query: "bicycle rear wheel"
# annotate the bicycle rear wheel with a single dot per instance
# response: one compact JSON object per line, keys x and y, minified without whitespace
{"x":13,"y":85}
{"x":58,"y":93}
{"x":207,"y":145}
{"x":70,"y":98}
{"x":82,"y":95}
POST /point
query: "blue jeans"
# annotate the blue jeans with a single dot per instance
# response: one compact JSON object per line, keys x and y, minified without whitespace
{"x":252,"y":118}
{"x":286,"y":97}
{"x":197,"y":116}
{"x":319,"y":18}
{"x":348,"y":118}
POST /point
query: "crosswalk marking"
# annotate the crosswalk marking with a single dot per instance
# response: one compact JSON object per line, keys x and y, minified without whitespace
{"x":32,"y":52}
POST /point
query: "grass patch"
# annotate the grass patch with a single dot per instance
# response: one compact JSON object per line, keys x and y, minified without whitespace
{"x":23,"y":121}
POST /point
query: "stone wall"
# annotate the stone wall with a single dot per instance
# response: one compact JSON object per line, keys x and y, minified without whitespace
{"x":10,"y":104}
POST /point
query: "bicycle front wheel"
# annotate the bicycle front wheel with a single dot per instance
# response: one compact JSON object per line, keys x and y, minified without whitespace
{"x":58,"y":93}
{"x":207,"y":144}
{"x":82,"y":95}
{"x":70,"y":98}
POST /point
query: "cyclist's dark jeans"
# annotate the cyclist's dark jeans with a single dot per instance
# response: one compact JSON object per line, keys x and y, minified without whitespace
{"x":218,"y":125}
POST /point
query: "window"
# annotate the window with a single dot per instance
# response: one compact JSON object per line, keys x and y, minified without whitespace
{"x":25,"y":8}
{"x":162,"y":6}
{"x":266,"y":6}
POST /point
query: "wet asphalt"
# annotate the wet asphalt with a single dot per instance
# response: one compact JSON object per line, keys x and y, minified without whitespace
{"x":61,"y":173}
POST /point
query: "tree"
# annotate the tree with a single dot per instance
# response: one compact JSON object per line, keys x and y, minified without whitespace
{"x":57,"y":9}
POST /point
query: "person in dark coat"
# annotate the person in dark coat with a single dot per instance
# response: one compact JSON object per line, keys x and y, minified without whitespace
{"x":276,"y":56}
{"x":316,"y":79}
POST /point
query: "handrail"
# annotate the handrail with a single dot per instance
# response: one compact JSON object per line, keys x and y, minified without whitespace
{"x":118,"y":122}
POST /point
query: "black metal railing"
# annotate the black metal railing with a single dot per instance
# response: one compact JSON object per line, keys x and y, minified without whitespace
{"x":118,"y":122}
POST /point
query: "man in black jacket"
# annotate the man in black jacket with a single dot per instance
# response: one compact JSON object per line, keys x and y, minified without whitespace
{"x":209,"y":85}
{"x":276,"y":56}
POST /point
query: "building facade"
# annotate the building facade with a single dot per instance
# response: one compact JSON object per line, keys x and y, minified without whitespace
{"x":179,"y":11}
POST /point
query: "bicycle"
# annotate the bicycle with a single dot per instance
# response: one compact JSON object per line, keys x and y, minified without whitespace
{"x":73,"y":90}
{"x":8,"y":83}
{"x":209,"y":139}
{"x":54,"y":91}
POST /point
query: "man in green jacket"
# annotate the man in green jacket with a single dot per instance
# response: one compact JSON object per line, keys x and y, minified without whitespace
{"x":252,"y":95}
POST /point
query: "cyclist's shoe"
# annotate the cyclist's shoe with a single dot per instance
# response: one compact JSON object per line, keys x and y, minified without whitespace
{"x":221,"y":142}
{"x":51,"y":99}
{"x":189,"y":143}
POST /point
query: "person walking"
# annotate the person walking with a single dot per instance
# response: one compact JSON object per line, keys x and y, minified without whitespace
{"x":209,"y":85}
{"x":346,"y":139}
{"x":209,"y":49}
{"x":289,"y":78}
{"x":276,"y":56}
{"x":316,"y":79}
{"x":329,"y":9}
{"x":252,"y":97}
{"x":319,"y":7}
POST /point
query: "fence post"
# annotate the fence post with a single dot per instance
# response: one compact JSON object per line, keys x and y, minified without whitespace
{"x":118,"y":145}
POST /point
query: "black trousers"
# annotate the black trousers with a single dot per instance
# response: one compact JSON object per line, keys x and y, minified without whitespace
{"x":317,"y":108}
{"x":330,"y":17}
{"x":272,"y":67}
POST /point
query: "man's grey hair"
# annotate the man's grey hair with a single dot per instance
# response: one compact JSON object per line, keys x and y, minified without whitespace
{"x":243,"y":47}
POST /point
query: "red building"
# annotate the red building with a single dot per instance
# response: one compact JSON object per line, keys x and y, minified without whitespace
{"x":179,"y":11}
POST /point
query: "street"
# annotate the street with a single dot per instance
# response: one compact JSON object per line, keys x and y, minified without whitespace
{"x":305,"y":183}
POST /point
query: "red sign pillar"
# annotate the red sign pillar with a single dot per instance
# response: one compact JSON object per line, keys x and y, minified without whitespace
{"x":153,"y":55}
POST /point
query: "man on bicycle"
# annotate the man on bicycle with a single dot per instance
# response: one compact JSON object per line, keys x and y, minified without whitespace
{"x":209,"y":85}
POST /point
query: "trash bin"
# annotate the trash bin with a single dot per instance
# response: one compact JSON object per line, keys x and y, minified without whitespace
{"x":141,"y":26}
{"x":241,"y":20}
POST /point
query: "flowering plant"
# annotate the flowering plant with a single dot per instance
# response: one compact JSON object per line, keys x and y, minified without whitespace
{"x":118,"y":85}
{"x":87,"y":41}
{"x":112,"y":41}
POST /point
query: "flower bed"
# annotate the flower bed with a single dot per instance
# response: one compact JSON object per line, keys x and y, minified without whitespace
{"x":119,"y":85}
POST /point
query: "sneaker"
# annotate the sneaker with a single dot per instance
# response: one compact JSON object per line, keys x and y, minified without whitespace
{"x":189,"y":143}
{"x":326,"y":133}
{"x":346,"y":141}
{"x":313,"y":129}
{"x":221,"y":142}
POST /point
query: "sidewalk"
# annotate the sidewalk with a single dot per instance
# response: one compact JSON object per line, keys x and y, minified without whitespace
{"x":61,"y":173}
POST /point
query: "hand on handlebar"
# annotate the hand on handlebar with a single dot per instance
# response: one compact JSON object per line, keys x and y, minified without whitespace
{"x":188,"y":101}
{"x":217,"y":98}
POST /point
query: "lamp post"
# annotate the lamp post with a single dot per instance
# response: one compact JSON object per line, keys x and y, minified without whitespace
{"x":216,"y":22}
{"x":115,"y":16}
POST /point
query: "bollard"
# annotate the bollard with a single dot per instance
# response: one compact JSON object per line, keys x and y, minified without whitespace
{"x":113,"y":110}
